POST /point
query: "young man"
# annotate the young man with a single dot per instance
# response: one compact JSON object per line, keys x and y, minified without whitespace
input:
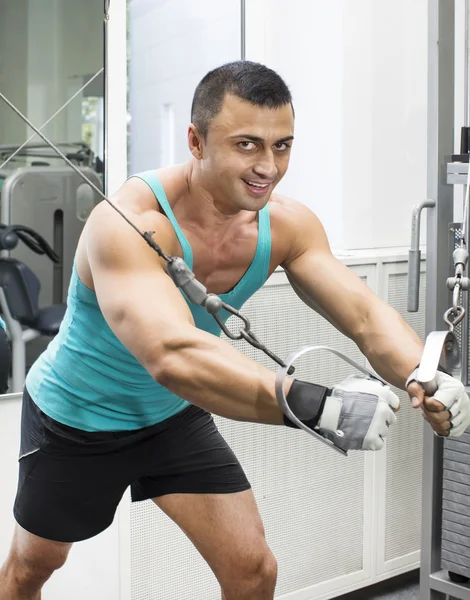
{"x":123,"y":394}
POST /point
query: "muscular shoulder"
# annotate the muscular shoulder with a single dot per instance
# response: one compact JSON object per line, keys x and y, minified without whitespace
{"x":295,"y":228}
{"x":109,"y":240}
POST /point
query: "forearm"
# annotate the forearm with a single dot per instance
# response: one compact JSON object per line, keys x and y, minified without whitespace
{"x":212,"y":374}
{"x":392,"y":347}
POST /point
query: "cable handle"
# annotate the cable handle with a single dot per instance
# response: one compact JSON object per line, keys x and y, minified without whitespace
{"x":281,"y":394}
{"x":441,"y":348}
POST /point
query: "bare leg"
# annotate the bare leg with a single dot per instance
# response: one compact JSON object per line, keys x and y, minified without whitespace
{"x":30,"y":563}
{"x":227,"y":531}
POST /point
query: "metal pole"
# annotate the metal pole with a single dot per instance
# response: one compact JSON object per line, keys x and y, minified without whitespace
{"x":465,"y":90}
{"x":243,"y":29}
{"x":441,"y":35}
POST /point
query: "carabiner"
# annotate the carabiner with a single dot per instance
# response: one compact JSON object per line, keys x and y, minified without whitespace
{"x":453,"y":316}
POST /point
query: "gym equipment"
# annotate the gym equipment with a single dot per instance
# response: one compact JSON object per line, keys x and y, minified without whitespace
{"x":19,"y":295}
{"x":56,"y":202}
{"x":445,"y":548}
{"x":37,"y":192}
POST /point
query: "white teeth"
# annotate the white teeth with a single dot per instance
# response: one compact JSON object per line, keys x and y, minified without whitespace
{"x":260,"y":185}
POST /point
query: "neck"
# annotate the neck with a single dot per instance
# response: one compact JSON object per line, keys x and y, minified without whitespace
{"x":206,"y":207}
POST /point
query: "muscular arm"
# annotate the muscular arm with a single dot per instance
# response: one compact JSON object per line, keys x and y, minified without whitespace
{"x":148,"y":314}
{"x":333,"y":290}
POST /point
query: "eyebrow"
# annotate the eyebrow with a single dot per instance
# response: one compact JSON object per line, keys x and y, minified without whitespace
{"x":254,"y":138}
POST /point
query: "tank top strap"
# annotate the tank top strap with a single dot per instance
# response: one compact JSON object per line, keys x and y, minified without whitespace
{"x":263,"y":253}
{"x":152,"y":180}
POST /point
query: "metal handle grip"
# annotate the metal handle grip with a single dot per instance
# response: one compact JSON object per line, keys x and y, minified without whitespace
{"x":414,"y":267}
{"x":441,"y":347}
{"x":415,"y":255}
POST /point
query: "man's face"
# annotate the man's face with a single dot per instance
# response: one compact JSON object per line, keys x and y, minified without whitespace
{"x":246,"y":152}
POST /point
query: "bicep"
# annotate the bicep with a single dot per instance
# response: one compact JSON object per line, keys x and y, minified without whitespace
{"x":324,"y":283}
{"x":332,"y":290}
{"x":138,"y":300}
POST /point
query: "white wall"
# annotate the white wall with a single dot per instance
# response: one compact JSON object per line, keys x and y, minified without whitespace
{"x":358,"y":74}
{"x":173,"y":45}
{"x":303,"y":42}
{"x":384,"y":108}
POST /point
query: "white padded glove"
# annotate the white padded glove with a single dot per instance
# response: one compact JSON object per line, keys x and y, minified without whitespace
{"x":358,"y":413}
{"x":451,"y":393}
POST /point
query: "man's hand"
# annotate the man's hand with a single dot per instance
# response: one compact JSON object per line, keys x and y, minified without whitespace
{"x":448,"y":411}
{"x":360,"y":409}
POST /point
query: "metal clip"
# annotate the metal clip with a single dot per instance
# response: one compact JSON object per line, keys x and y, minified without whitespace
{"x":246,"y":334}
{"x":453,"y":316}
{"x":196,"y":293}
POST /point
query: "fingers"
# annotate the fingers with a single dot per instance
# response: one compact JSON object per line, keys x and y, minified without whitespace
{"x":383,"y":429}
{"x":416,"y":393}
{"x":439,"y":421}
{"x":457,"y":420}
{"x":458,"y":430}
{"x":376,"y":444}
{"x":433,"y":405}
{"x":392,"y":399}
{"x":391,"y":418}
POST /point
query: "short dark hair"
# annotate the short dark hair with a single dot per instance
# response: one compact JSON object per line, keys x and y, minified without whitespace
{"x":247,"y":80}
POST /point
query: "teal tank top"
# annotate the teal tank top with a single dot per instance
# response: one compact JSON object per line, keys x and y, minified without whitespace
{"x":87,"y":379}
{"x":2,"y":323}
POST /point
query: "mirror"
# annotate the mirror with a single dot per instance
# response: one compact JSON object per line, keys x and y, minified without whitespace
{"x":51,"y":69}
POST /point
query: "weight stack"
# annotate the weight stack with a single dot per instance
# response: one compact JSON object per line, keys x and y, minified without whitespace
{"x":456,"y":506}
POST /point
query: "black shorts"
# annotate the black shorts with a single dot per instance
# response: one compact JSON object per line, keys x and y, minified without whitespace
{"x":71,"y":481}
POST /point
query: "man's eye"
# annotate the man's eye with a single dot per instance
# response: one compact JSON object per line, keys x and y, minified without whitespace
{"x":247,"y":145}
{"x":282,"y":146}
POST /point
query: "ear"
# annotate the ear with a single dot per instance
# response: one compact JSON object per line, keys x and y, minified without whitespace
{"x":195,"y":142}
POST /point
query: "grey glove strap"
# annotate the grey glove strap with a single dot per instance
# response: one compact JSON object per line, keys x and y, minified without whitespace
{"x":356,"y":414}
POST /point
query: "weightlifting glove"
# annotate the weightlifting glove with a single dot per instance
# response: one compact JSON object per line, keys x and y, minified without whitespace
{"x":354,"y":415}
{"x":451,"y":393}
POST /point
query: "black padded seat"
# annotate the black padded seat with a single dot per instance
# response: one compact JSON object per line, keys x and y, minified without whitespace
{"x":21,"y":288}
{"x":49,"y":319}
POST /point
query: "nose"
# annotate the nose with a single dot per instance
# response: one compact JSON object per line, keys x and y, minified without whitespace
{"x":266,"y":166}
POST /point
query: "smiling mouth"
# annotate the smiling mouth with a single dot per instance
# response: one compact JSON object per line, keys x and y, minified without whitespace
{"x":255,"y":185}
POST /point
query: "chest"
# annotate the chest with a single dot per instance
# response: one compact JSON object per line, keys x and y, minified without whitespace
{"x":220,"y":262}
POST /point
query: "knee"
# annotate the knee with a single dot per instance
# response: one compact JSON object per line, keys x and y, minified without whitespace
{"x":256,"y":571}
{"x":30,"y":572}
{"x":266,"y":570}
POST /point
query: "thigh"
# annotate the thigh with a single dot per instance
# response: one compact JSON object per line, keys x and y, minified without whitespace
{"x":226,"y":529}
{"x":68,"y":489}
{"x":189,"y":456}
